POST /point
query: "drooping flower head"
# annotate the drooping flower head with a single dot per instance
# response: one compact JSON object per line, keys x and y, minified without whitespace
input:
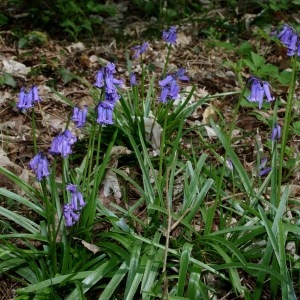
{"x":262,"y":169}
{"x":133,"y":81}
{"x":259,"y":89}
{"x":40,"y":166}
{"x":79,"y":116}
{"x":289,"y":37}
{"x":71,"y":217}
{"x":105,"y":79}
{"x":62,"y":143}
{"x":105,"y":113}
{"x":71,"y":210}
{"x":170,"y":87}
{"x":26,"y":100}
{"x":140,"y":49}
{"x":170,"y":35}
{"x":77,"y":202}
{"x":276,"y":132}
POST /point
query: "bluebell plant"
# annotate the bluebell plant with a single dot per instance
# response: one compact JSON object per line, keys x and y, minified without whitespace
{"x":170,"y":87}
{"x":170,"y":35}
{"x":62,"y":143}
{"x":259,"y":90}
{"x":27,"y":99}
{"x":289,"y":37}
{"x":105,"y":79}
{"x":79,"y":116}
{"x":276,"y":132}
{"x":139,"y":49}
{"x":40,"y":166}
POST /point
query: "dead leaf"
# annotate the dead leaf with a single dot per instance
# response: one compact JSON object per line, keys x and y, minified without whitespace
{"x":111,"y":183}
{"x":153,"y":131}
{"x":208,"y":114}
{"x":15,"y":68}
{"x":93,"y":248}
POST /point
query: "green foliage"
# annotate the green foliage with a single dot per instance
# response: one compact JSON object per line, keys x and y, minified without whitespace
{"x":73,"y":17}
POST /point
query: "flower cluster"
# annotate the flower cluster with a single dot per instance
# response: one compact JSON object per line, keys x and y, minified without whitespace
{"x":170,"y":87}
{"x":40,"y":166}
{"x":62,"y":143}
{"x":289,"y":37}
{"x":27,"y":100}
{"x":105,"y":79}
{"x":72,"y":210}
{"x":170,"y":35}
{"x":79,"y":116}
{"x":259,"y":89}
{"x":139,"y":50}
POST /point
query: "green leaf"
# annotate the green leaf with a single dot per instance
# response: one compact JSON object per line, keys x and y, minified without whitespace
{"x":183,"y":268}
{"x":257,"y":60}
{"x":8,"y":80}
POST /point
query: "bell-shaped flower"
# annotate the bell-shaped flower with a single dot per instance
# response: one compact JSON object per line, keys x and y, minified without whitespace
{"x":40,"y":166}
{"x":170,"y":35}
{"x":79,"y":116}
{"x":62,"y":143}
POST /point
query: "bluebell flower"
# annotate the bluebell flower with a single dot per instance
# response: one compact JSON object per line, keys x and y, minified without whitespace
{"x":71,"y":217}
{"x":289,"y":37}
{"x":139,"y":49}
{"x":77,"y":202}
{"x":99,"y":79}
{"x":105,"y":113}
{"x":26,"y":100}
{"x":259,"y":89}
{"x":262,"y":170}
{"x":133,"y":79}
{"x":170,"y":87}
{"x":62,"y":143}
{"x":170,"y":35}
{"x":180,"y":75}
{"x":276,"y":132}
{"x":105,"y":79}
{"x":71,"y":211}
{"x":79,"y":116}
{"x":40,"y":166}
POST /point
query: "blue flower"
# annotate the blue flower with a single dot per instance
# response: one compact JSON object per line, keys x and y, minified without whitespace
{"x":62,"y":143}
{"x":290,"y":39}
{"x":79,"y":116}
{"x":40,"y":166}
{"x":105,"y":113}
{"x":262,"y":167}
{"x":259,"y":89}
{"x":26,"y":100}
{"x":71,"y":217}
{"x":170,"y":35}
{"x":139,"y":49}
{"x":170,"y":87}
{"x":133,"y":79}
{"x":276,"y":132}
{"x":77,"y":202}
{"x":71,"y":211}
{"x":106,"y":80}
{"x":180,"y":75}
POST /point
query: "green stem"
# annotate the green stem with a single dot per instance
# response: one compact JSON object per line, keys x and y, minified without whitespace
{"x":167,"y":61}
{"x":286,"y":126}
{"x":34,"y":132}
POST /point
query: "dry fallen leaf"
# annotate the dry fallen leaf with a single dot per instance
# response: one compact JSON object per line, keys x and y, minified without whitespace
{"x":109,"y":183}
{"x":88,"y":246}
{"x":153,"y":131}
{"x":15,"y":68}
